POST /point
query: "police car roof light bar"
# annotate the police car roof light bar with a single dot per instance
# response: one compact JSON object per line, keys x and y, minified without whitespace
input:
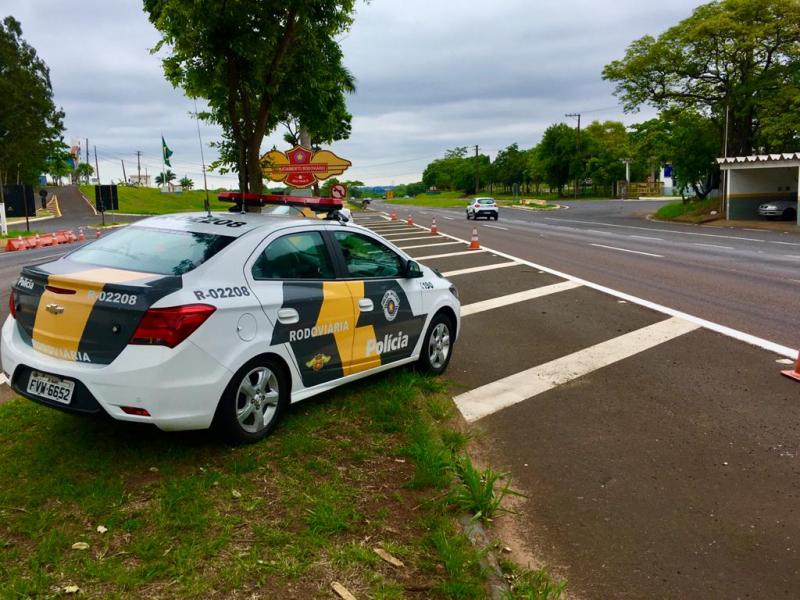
{"x":315,"y":203}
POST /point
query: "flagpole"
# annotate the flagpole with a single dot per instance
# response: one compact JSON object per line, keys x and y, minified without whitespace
{"x":163,"y":174}
{"x":206,"y":202}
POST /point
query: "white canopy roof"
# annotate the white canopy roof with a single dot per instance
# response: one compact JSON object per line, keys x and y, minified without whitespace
{"x":761,"y":158}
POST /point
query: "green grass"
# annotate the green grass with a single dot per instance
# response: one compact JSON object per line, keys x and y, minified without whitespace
{"x":526,"y":584}
{"x":459,"y":200}
{"x":15,"y":233}
{"x":150,"y":201}
{"x":188,"y":516}
{"x":692,"y":211}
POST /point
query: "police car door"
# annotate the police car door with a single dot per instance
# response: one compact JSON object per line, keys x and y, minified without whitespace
{"x":295,"y":281}
{"x":388,"y":305}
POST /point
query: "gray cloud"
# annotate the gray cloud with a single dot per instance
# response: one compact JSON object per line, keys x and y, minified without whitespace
{"x":432,"y":74}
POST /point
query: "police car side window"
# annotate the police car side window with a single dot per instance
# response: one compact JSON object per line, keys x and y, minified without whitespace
{"x":365,"y":257}
{"x":295,"y":256}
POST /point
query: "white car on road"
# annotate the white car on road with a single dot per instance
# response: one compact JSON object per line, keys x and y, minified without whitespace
{"x":192,"y":320}
{"x":483,"y":207}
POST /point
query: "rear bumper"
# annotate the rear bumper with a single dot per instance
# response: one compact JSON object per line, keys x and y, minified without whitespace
{"x":179,"y":387}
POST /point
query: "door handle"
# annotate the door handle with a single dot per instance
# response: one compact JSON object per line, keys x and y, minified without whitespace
{"x":365,"y":304}
{"x":288,"y":316}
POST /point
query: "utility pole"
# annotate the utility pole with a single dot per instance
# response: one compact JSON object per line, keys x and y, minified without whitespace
{"x":139,"y":165}
{"x":124,"y":175}
{"x":88,"y":177}
{"x":477,"y":171}
{"x":578,"y":144}
{"x":96,"y":165}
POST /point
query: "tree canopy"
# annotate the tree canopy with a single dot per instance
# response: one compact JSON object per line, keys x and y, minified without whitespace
{"x":30,"y":123}
{"x":743,"y":55}
{"x":258,"y":64}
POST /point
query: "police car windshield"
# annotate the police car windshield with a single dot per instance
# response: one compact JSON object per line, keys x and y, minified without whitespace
{"x":152,"y":250}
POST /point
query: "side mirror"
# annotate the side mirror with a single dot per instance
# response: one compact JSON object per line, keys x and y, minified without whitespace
{"x":413,"y":270}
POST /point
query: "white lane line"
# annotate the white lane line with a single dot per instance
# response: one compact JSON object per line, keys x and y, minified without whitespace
{"x":476,"y":307}
{"x":449,"y":218}
{"x":730,"y":332}
{"x":626,"y":250}
{"x":792,"y":256}
{"x":646,"y":237}
{"x":392,"y":237}
{"x":390,"y":228}
{"x":714,"y":235}
{"x":496,"y":227}
{"x":457,"y":272}
{"x":495,"y":396}
{"x":449,"y":254}
{"x":418,"y":238}
{"x":786,"y":243}
{"x":713,"y":246}
{"x":429,"y":245}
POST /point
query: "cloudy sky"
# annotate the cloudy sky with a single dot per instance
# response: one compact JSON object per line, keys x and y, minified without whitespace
{"x":431,"y":74}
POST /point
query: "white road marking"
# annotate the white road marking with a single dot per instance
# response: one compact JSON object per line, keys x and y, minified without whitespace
{"x":476,"y":307}
{"x":429,"y":245}
{"x":730,"y":332}
{"x":714,"y":235}
{"x":713,"y":246}
{"x":646,"y":237}
{"x":496,"y":227}
{"x":792,"y":256}
{"x":457,"y":272}
{"x":449,"y":218}
{"x":626,"y":250}
{"x":495,"y":396}
{"x":786,"y":243}
{"x":418,"y":238}
{"x":421,"y":235}
{"x":449,"y":254}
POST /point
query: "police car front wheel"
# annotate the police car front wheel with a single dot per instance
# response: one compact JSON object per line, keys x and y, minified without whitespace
{"x":254,"y":401}
{"x":438,"y":346}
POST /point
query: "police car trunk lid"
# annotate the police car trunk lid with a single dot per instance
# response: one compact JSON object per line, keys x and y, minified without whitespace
{"x":81,"y":313}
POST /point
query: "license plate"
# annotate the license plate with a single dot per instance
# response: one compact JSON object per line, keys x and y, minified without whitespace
{"x":51,"y":387}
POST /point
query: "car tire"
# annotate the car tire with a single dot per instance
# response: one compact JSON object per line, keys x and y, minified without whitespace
{"x":437,"y":346}
{"x":496,"y":217}
{"x":790,"y":214}
{"x":261,"y":386}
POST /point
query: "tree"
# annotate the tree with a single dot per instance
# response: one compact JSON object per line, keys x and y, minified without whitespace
{"x":257,"y":64}
{"x":509,"y":166}
{"x":161,"y":179}
{"x":84,"y":171}
{"x":605,"y":145}
{"x":186,"y":183}
{"x":30,"y":124}
{"x":558,"y":155}
{"x":743,"y":55}
{"x":59,"y":163}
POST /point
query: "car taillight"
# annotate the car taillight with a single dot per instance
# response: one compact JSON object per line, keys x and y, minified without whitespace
{"x":477,"y":206}
{"x":12,"y":305}
{"x":170,"y":326}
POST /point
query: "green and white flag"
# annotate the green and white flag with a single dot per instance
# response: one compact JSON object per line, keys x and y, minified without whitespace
{"x":166,"y":152}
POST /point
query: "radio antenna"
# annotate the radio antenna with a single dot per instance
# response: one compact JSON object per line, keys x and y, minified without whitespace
{"x":206,"y":202}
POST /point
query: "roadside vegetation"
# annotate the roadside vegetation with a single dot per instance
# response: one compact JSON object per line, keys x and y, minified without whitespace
{"x":460,"y":200}
{"x":693,"y":211}
{"x":150,"y":201}
{"x":361,"y":488}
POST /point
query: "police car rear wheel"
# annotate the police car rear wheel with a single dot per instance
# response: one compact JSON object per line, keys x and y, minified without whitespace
{"x":437,"y":348}
{"x":254,"y":401}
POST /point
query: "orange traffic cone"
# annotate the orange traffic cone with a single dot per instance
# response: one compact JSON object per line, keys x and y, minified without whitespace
{"x":434,"y":230}
{"x":55,"y":240}
{"x":81,"y":235}
{"x":393,"y":216}
{"x":410,"y":220}
{"x":796,"y":373}
{"x":38,"y":241}
{"x":474,"y":244}
{"x":97,"y":234}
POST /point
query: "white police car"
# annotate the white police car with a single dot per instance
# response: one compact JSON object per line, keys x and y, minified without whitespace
{"x":192,"y":320}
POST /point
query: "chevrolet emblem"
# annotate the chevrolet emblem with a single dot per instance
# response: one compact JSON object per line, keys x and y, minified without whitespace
{"x":55,"y":309}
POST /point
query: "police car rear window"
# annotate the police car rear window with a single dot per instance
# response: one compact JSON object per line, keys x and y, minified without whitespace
{"x":152,"y":250}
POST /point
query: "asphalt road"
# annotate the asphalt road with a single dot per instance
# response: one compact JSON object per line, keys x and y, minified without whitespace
{"x":656,"y":458}
{"x":745,"y":279}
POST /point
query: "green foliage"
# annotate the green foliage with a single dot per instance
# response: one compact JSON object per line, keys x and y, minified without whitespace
{"x":605,"y":145}
{"x":687,"y":211}
{"x":740,"y":54}
{"x":479,"y":492}
{"x":186,"y":183}
{"x":58,"y":163}
{"x":84,"y":171}
{"x":456,"y":171}
{"x":558,"y":155}
{"x":164,"y":178}
{"x":527,"y":584}
{"x":30,"y":124}
{"x":258,"y":64}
